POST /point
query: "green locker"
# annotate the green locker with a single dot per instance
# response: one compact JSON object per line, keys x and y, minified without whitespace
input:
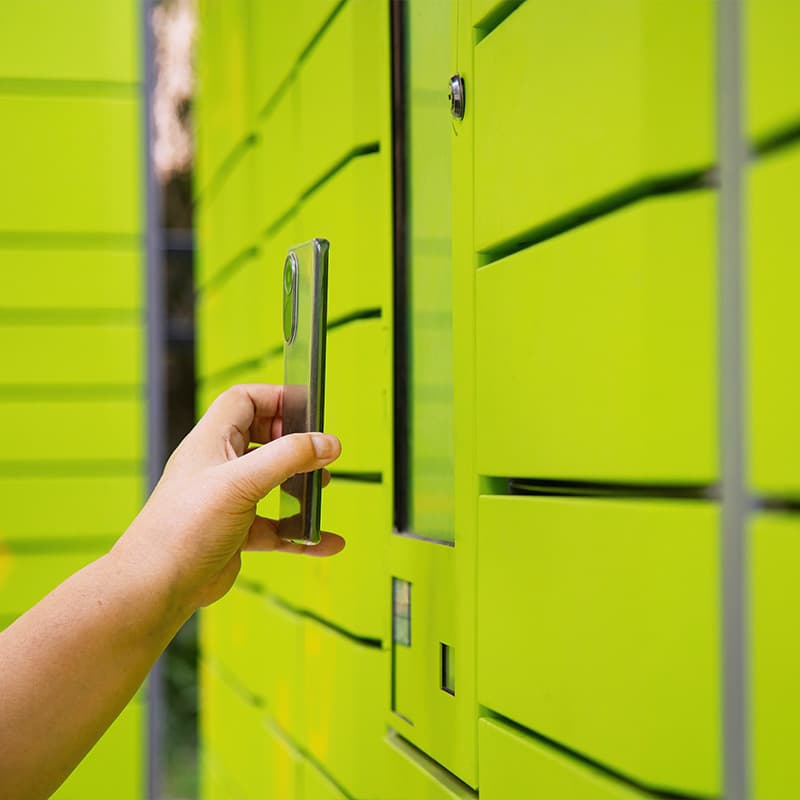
{"x":229,"y":315}
{"x":226,"y":217}
{"x":89,"y":41}
{"x":350,"y":590}
{"x":101,"y":506}
{"x":95,"y":161}
{"x":607,"y":348}
{"x":774,"y":551}
{"x":602,"y":631}
{"x":350,"y":210}
{"x":357,"y":398}
{"x":515,"y":765}
{"x":346,"y":688}
{"x":343,"y":90}
{"x":603,"y":98}
{"x":82,"y":434}
{"x":277,"y":188}
{"x":774,"y":284}
{"x":76,"y":355}
{"x":772,"y":103}
{"x":34,"y":281}
{"x":428,"y":702}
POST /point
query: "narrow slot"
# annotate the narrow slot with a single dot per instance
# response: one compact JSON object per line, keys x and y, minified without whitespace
{"x":357,"y":477}
{"x":427,"y":539}
{"x":556,"y":488}
{"x":447,"y":656}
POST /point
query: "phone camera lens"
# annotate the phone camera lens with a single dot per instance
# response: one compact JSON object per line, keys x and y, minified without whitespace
{"x":288,"y":275}
{"x":290,"y":298}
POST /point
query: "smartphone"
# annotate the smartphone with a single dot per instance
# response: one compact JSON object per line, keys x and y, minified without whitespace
{"x":305,"y":302}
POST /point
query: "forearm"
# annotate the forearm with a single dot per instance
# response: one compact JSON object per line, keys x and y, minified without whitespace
{"x":71,"y":664}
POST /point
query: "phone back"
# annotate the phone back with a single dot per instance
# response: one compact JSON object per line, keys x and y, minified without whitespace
{"x":305,"y":290}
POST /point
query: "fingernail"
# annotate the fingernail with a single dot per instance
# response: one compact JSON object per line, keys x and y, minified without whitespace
{"x":323,"y":445}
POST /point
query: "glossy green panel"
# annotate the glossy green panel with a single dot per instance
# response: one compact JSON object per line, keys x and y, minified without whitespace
{"x":349,"y":589}
{"x":774,"y":325}
{"x":596,"y":350}
{"x":83,"y":40}
{"x":223,"y":85}
{"x":283,"y":683}
{"x":241,"y":644}
{"x":351,"y":210}
{"x":235,"y":734}
{"x":97,"y":506}
{"x":276,"y":187}
{"x":275,"y":44}
{"x":71,"y":279}
{"x":226,"y":218}
{"x":621,"y":631}
{"x":343,"y":89}
{"x":347,"y":689}
{"x":85,"y":179}
{"x":435,"y":721}
{"x":94,"y":431}
{"x":358,"y":398}
{"x":25,"y":578}
{"x":772,"y":30}
{"x":599,"y":97}
{"x":775,"y":654}
{"x":228,"y":316}
{"x":76,"y":355}
{"x":117,"y":760}
{"x":515,"y":765}
{"x":413,"y":774}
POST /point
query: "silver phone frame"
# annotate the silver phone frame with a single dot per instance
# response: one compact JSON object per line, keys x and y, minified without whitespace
{"x":311,"y":495}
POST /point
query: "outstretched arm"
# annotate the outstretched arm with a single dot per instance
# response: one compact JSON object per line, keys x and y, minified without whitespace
{"x":72,"y":663}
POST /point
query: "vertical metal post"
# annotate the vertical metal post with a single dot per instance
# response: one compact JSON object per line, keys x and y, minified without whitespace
{"x":732,"y":161}
{"x":156,"y":379}
{"x":401,"y":280}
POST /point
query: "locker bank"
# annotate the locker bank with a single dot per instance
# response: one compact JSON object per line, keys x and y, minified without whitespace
{"x":561,"y":358}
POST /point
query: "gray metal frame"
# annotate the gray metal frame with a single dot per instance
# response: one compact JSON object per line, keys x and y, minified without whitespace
{"x":733,"y":157}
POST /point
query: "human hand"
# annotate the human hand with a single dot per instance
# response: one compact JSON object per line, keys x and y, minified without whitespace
{"x":202,"y":513}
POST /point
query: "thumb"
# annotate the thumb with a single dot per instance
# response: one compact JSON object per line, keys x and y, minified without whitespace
{"x":264,"y":468}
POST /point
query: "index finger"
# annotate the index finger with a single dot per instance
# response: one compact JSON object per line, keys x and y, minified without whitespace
{"x":244,"y":413}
